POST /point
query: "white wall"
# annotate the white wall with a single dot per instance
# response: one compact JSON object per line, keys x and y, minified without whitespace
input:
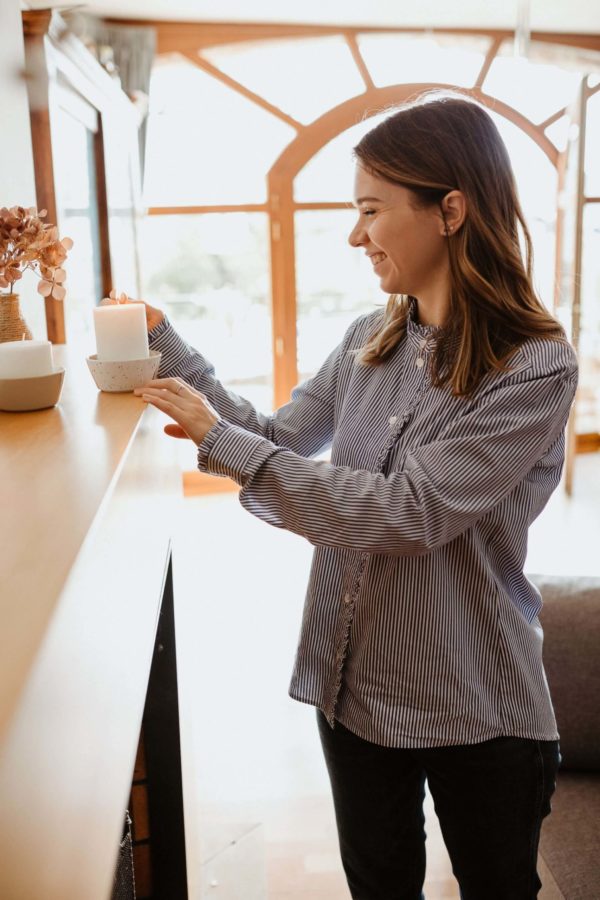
{"x":17,"y":181}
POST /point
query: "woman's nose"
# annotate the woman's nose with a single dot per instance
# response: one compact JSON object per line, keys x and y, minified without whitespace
{"x":356,"y":236}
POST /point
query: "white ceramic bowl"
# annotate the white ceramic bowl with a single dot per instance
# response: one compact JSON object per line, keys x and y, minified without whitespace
{"x":26,"y":394}
{"x":125,"y":375}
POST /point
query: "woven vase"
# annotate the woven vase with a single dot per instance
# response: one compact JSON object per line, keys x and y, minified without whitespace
{"x":12,"y":324}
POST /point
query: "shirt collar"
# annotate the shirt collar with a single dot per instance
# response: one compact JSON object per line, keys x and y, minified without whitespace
{"x":416,"y":332}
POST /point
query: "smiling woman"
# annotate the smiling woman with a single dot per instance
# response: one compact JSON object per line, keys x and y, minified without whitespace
{"x":445,"y":415}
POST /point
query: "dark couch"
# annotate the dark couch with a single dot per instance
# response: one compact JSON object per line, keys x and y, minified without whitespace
{"x":569,"y":857}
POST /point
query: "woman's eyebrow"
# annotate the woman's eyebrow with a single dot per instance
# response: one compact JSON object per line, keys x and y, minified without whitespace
{"x":366,"y":200}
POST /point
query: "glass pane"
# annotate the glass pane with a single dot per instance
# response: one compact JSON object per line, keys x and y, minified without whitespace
{"x":335,"y":284}
{"x":206,"y":143}
{"x":302,"y":77}
{"x":535,"y":89}
{"x":592,"y":147}
{"x":210,"y":274}
{"x":558,"y":132}
{"x":76,"y":199}
{"x":329,"y":175}
{"x":416,"y":60}
{"x":588,"y":402}
{"x":122,"y":190}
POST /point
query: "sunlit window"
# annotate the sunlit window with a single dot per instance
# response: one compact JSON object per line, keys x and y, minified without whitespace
{"x":303,"y":77}
{"x":206,"y":143}
{"x":328,"y":176}
{"x":592,"y":150}
{"x":335,"y":283}
{"x":77,"y":210}
{"x":210,"y":274}
{"x":588,"y":407}
{"x":533,"y":88}
{"x":558,"y":132}
{"x":400,"y":59}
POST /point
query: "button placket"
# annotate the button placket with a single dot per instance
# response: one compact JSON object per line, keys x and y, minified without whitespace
{"x":397,"y":424}
{"x":341,"y":645}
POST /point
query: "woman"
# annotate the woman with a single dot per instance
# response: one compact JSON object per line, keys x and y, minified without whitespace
{"x":420,"y":642}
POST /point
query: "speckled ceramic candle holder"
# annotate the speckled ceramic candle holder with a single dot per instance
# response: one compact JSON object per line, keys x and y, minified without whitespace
{"x":27,"y":394}
{"x":126,"y":375}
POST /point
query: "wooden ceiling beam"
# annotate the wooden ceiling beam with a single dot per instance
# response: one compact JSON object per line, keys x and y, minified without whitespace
{"x":181,"y":37}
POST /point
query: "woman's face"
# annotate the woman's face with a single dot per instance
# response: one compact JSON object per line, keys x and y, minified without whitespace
{"x":405,"y":243}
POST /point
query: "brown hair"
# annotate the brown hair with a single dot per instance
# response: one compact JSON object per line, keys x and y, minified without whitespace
{"x":445,"y":142}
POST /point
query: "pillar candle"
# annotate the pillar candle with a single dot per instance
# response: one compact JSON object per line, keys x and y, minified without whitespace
{"x":25,"y":359}
{"x":121,"y":332}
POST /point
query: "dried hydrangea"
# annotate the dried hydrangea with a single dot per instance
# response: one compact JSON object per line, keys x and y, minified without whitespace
{"x":28,"y":243}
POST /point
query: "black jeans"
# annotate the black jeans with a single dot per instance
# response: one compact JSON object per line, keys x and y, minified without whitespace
{"x":490,"y":799}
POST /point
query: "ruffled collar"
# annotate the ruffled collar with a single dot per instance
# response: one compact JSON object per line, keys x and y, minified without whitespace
{"x":416,"y":332}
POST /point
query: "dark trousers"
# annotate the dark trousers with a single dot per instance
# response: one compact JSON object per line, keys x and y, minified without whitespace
{"x":490,"y":799}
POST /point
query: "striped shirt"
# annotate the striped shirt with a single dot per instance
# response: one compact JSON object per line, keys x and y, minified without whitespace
{"x":419,"y":628}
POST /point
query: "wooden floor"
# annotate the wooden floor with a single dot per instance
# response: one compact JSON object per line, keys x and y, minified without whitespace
{"x":251,"y":754}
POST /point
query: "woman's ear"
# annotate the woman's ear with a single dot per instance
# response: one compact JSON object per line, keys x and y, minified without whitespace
{"x":454,"y":211}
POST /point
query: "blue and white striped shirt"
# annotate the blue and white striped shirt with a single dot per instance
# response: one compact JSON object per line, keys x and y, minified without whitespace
{"x":419,"y":628}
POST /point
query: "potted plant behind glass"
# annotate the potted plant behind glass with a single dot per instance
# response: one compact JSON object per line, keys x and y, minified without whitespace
{"x":28,"y":243}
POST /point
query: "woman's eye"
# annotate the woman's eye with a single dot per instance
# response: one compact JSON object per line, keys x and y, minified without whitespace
{"x":368,"y":212}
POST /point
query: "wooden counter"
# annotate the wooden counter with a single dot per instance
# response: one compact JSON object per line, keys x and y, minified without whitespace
{"x":88,"y":495}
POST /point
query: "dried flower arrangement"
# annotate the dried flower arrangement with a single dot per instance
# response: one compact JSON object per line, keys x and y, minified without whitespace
{"x":28,"y":243}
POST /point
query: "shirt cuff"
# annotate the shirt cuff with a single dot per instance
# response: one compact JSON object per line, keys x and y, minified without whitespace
{"x":233,"y":452}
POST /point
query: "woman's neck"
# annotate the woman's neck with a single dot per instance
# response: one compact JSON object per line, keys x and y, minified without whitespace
{"x":432,"y":311}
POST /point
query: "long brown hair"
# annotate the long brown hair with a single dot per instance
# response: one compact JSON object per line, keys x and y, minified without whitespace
{"x":433,"y":145}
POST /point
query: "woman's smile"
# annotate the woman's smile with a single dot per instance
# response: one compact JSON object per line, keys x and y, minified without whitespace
{"x":377,"y":258}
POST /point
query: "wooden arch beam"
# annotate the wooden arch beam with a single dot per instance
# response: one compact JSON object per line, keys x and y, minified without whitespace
{"x":314,"y":136}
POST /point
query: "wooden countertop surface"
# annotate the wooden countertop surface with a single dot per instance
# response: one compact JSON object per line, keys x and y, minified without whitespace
{"x":57,"y":466}
{"x":88,"y":493}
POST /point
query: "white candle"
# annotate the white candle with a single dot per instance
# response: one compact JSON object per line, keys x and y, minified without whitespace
{"x":121,"y":332}
{"x":25,"y":359}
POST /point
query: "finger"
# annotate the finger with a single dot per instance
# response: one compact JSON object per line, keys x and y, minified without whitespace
{"x":176,"y":431}
{"x":169,"y":384}
{"x":162,"y":403}
{"x":171,"y":397}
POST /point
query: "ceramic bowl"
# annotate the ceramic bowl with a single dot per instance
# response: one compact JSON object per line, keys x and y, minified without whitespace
{"x":125,"y":375}
{"x":26,"y":394}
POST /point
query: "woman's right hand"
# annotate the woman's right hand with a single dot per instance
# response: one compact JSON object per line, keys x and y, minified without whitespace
{"x":154,"y":316}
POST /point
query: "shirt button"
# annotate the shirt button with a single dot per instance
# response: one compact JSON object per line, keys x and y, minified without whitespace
{"x":423,"y":343}
{"x":419,"y":362}
{"x":392,"y":420}
{"x":347,"y":599}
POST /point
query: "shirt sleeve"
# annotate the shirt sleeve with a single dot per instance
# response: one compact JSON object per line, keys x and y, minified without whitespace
{"x":442,"y":490}
{"x":304,"y":425}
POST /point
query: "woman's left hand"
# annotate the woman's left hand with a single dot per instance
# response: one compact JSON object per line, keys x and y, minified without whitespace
{"x":188,"y":407}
